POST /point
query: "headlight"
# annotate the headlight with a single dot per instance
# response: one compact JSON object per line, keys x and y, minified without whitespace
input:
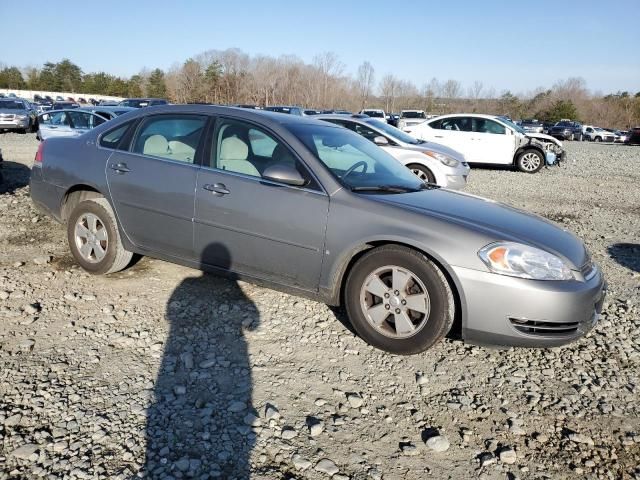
{"x":442,"y":158}
{"x":523,"y":261}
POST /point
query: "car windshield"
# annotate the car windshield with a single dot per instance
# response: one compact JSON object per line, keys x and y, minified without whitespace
{"x":355,"y":161}
{"x":394,"y":132}
{"x":12,"y":105}
{"x":373,"y":113}
{"x":413,"y":115}
{"x":511,"y":124}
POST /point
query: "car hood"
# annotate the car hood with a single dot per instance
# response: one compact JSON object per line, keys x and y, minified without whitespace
{"x":497,"y":220}
{"x":545,"y":137}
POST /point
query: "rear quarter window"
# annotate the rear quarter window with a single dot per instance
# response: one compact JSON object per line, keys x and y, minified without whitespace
{"x":113,"y":138}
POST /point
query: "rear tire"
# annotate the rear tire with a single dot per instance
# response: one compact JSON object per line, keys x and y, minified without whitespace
{"x":422,"y":172}
{"x":411,"y":308}
{"x":530,"y":161}
{"x":94,"y":238}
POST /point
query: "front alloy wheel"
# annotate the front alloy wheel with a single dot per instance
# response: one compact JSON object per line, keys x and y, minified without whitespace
{"x":530,"y":161}
{"x":398,"y":300}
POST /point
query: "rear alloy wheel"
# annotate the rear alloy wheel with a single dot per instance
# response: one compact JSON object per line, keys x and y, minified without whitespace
{"x":94,"y":239}
{"x":397,"y":300}
{"x":422,"y":172}
{"x":530,"y":161}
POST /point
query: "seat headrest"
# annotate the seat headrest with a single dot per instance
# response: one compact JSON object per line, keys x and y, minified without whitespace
{"x":232,"y":148}
{"x":156,"y":145}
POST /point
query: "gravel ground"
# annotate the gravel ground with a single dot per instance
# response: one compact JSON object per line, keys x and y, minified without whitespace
{"x":163,"y":372}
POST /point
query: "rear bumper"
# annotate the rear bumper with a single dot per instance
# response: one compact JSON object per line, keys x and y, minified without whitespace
{"x":44,"y":195}
{"x":14,"y":124}
{"x":528,"y":313}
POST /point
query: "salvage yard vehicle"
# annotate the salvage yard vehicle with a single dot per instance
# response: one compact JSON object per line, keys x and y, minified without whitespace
{"x":317,"y":210}
{"x":431,"y":162}
{"x":633,"y":136}
{"x":66,"y":123}
{"x":490,"y":140}
{"x":566,"y":130}
{"x":16,"y":114}
{"x":621,"y":136}
{"x":410,"y":118}
{"x":597,"y":134}
{"x":375,"y":113}
{"x":108,"y":112}
{"x":532,"y":126}
{"x":141,"y":102}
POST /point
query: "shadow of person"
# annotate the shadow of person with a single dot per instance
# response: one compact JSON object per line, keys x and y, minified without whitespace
{"x":626,"y":254}
{"x":199,"y":422}
{"x":13,"y":176}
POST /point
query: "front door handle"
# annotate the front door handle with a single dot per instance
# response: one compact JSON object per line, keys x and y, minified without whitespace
{"x":438,"y":136}
{"x":217,"y":189}
{"x":119,"y":167}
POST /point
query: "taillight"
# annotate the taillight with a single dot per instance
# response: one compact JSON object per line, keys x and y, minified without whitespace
{"x":38,"y":158}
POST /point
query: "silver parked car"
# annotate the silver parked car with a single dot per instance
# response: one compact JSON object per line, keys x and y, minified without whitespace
{"x":66,"y":123}
{"x":317,"y":210}
{"x":430,"y":161}
{"x":16,"y":114}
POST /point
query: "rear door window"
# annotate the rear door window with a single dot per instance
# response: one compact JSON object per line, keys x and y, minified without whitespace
{"x":172,"y":137}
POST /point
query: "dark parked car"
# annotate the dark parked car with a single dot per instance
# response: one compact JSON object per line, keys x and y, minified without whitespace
{"x":285,"y":109}
{"x":566,"y":130}
{"x":532,"y":126}
{"x":64,"y":105}
{"x":142,"y":102}
{"x":633,"y":136}
{"x":321,"y":211}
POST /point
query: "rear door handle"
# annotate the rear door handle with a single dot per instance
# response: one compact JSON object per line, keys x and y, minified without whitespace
{"x":217,"y":189}
{"x":119,"y":167}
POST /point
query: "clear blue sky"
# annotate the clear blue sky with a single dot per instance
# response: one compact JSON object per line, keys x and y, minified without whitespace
{"x":516,"y":45}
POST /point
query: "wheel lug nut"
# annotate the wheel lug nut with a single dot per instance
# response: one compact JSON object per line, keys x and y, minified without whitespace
{"x":397,"y":310}
{"x":396,"y":292}
{"x":404,"y":302}
{"x":386,"y":295}
{"x":387,"y":306}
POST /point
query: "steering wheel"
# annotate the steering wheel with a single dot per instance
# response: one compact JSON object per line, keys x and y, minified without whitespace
{"x":353,"y":167}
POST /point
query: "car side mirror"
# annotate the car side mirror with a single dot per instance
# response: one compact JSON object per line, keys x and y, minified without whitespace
{"x":284,"y":174}
{"x":381,"y":141}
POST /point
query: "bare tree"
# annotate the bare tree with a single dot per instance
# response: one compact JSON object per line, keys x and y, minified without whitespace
{"x":329,"y":67}
{"x":365,"y":81}
{"x":388,"y":90}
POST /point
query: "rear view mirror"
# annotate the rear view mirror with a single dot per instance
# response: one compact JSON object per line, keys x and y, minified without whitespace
{"x":381,"y":141}
{"x":284,"y":174}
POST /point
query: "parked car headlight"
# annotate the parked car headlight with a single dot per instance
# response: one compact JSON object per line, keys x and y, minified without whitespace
{"x":524,"y":261}
{"x":442,"y":158}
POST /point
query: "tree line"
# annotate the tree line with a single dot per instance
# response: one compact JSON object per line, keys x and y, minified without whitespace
{"x":232,"y":76}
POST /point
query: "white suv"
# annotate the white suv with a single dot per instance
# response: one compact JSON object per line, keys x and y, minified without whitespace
{"x":487,"y":139}
{"x":375,"y":113}
{"x":411,"y":118}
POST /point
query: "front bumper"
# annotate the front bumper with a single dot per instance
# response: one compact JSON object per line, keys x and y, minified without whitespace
{"x":511,"y":311}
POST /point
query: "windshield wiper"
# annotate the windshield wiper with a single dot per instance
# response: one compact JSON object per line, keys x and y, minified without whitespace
{"x":386,"y":188}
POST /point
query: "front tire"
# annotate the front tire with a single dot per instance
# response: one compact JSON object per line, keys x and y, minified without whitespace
{"x":598,"y":139}
{"x":398,"y":300}
{"x":530,"y":161}
{"x":422,"y":172}
{"x":94,"y":238}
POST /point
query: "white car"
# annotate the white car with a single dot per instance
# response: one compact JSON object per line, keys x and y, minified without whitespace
{"x":491,"y":140}
{"x":597,"y":134}
{"x":375,"y":113}
{"x":410,"y":118}
{"x":432,"y":162}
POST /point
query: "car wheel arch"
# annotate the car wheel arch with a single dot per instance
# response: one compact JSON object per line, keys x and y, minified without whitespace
{"x":524,"y":149}
{"x":74,"y":195}
{"x":338,"y":286}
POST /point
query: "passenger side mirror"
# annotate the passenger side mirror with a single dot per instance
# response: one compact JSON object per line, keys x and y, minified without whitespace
{"x":381,"y":141}
{"x":284,"y":174}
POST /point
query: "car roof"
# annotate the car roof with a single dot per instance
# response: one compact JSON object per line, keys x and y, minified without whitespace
{"x":245,"y":113}
{"x":110,"y":108}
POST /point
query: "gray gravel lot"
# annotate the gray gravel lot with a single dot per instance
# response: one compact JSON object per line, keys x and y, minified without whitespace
{"x":160,"y":371}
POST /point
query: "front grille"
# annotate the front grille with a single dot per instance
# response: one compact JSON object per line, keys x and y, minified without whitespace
{"x":547,"y":329}
{"x":7,"y":116}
